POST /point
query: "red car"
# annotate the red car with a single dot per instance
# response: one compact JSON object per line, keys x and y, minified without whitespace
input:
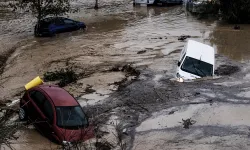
{"x":56,"y":114}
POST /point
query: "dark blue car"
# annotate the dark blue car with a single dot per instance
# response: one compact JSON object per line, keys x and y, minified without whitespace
{"x":53,"y":25}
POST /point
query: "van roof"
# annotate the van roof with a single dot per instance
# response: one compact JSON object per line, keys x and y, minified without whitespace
{"x":200,"y":51}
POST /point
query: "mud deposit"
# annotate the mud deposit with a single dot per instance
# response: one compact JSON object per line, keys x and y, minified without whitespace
{"x":120,"y":69}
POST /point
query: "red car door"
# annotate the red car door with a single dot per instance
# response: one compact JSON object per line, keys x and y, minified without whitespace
{"x":38,"y":113}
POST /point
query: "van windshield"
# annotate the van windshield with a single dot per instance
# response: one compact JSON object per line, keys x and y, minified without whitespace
{"x":197,"y":67}
{"x":71,"y":117}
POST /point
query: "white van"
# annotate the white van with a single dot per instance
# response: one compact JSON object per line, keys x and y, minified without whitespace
{"x":196,"y":61}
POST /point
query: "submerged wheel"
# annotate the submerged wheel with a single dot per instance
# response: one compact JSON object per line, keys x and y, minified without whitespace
{"x":22,"y":114}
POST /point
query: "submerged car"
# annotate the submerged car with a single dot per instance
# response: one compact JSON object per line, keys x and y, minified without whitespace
{"x":55,"y":114}
{"x":53,"y":25}
{"x":196,"y":61}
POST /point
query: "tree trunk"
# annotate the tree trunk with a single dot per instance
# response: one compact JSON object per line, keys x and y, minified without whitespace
{"x":39,"y":11}
{"x":96,"y":4}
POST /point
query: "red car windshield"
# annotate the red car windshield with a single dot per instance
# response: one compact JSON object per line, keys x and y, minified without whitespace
{"x":71,"y":117}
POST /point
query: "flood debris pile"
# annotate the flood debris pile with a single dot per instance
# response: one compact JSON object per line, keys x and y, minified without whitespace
{"x":89,"y":89}
{"x":225,"y":70}
{"x":129,"y":72}
{"x":142,"y":52}
{"x":103,"y":146}
{"x":63,"y":76}
{"x":97,"y":145}
{"x":128,"y":69}
{"x":7,"y":130}
{"x":183,"y":37}
{"x":188,"y":122}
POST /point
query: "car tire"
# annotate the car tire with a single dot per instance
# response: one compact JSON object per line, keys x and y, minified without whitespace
{"x":22,"y":114}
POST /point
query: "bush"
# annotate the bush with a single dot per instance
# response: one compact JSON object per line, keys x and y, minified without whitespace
{"x":236,"y":11}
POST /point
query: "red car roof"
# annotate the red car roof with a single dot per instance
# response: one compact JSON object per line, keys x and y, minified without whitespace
{"x":59,"y":96}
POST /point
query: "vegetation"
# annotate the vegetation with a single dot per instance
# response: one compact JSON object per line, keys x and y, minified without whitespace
{"x":236,"y":11}
{"x":96,"y":4}
{"x":43,"y":8}
{"x":7,"y":131}
{"x":64,"y":76}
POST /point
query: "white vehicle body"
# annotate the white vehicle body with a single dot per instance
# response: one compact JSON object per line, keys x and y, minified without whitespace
{"x":196,"y":61}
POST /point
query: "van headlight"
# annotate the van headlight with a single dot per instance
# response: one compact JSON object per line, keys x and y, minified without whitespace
{"x":180,"y":79}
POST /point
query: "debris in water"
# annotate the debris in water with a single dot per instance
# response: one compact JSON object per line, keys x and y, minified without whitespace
{"x":64,"y":76}
{"x":188,"y":122}
{"x":128,"y":69}
{"x":89,"y":89}
{"x":236,"y":27}
{"x":211,"y":102}
{"x":172,"y":112}
{"x":103,"y":145}
{"x":183,"y":37}
{"x":224,"y":70}
{"x":197,"y":93}
{"x":141,"y":52}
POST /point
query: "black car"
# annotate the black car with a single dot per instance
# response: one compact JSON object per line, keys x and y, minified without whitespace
{"x":53,"y":25}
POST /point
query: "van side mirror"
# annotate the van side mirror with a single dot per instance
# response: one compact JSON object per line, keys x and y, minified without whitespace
{"x":179,"y":63}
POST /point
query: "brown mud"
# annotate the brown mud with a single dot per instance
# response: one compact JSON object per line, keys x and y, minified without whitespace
{"x":124,"y":64}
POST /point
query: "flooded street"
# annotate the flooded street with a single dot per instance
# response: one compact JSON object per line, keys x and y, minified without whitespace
{"x":125,"y":60}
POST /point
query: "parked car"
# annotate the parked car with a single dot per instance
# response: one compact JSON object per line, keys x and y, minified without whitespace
{"x":155,"y":2}
{"x":56,"y":114}
{"x":53,"y":25}
{"x":196,"y":60}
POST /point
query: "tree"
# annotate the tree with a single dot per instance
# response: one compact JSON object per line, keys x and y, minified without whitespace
{"x":236,"y":11}
{"x":96,"y":4}
{"x":43,"y":8}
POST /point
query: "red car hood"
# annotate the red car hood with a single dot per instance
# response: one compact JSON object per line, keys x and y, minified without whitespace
{"x":76,"y":135}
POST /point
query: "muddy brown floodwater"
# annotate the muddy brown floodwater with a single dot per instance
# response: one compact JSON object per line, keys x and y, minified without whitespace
{"x":149,"y":106}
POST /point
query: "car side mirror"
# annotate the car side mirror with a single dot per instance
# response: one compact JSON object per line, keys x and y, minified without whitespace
{"x":179,"y":63}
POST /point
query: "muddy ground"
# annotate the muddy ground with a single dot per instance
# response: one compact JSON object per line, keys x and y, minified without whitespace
{"x":125,"y":63}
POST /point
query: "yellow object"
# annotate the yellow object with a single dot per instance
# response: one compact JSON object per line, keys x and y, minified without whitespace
{"x":35,"y":82}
